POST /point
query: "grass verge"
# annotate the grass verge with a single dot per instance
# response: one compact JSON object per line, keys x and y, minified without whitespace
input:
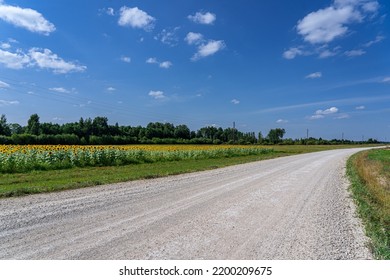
{"x":369,"y":172}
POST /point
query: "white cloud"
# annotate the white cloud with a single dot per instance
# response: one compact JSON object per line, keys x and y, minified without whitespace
{"x":41,"y":58}
{"x":329,"y":111}
{"x":110,"y":11}
{"x":8,"y":103}
{"x":5,"y":45}
{"x":354,"y":53}
{"x":316,"y":117}
{"x":60,"y":90}
{"x":47,"y":60}
{"x":328,"y":24}
{"x":322,"y":27}
{"x":111,"y":89}
{"x":360,"y":107}
{"x":320,"y":114}
{"x":4,"y":85}
{"x":282,"y":121}
{"x":165,"y":64}
{"x":314,"y":75}
{"x":386,"y":80}
{"x":208,"y":49}
{"x":151,"y":60}
{"x":193,"y":38}
{"x":203,"y":18}
{"x":327,"y":53}
{"x":126,"y":59}
{"x":292,"y":53}
{"x":16,"y":60}
{"x":135,"y":18}
{"x":371,"y":7}
{"x":26,"y":18}
{"x":342,"y":116}
{"x":157,"y":94}
{"x":168,"y":36}
{"x":235,"y":101}
{"x":378,"y":39}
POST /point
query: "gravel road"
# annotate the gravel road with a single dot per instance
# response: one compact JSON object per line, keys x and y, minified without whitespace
{"x":295,"y":207}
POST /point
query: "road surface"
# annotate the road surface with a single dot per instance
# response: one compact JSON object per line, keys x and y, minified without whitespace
{"x":295,"y":207}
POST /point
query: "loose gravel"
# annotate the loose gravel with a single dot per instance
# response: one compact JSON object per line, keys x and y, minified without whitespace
{"x":295,"y":207}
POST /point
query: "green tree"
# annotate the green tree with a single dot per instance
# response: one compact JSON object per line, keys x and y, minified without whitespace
{"x":33,"y":125}
{"x":182,"y":132}
{"x":4,"y":127}
{"x":260,"y":138}
{"x":100,"y":126}
{"x":275,"y":135}
{"x":16,"y":128}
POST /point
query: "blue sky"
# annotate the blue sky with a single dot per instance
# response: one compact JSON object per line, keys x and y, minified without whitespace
{"x":298,"y":65}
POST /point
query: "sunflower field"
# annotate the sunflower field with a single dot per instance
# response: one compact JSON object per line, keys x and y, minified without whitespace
{"x":25,"y":158}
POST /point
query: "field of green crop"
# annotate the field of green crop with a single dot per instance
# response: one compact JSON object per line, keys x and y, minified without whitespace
{"x":20,"y":159}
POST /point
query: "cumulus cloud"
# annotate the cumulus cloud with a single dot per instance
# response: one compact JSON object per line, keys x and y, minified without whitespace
{"x":46,"y":59}
{"x":12,"y":60}
{"x":5,"y":45}
{"x":329,"y":111}
{"x":135,"y":18}
{"x":292,"y":53}
{"x":157,"y":94}
{"x":193,"y":38}
{"x":203,"y":18}
{"x":282,"y":121}
{"x":314,"y":75}
{"x":26,"y":18}
{"x":151,"y":60}
{"x":164,"y":64}
{"x":320,"y":114}
{"x":325,"y":25}
{"x":235,"y":101}
{"x":111,"y":89}
{"x":360,"y":107}
{"x":207,"y":49}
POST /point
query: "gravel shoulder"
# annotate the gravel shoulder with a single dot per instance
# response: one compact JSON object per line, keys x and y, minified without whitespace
{"x":295,"y":207}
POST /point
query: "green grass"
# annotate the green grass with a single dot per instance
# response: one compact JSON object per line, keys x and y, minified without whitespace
{"x":370,"y":178}
{"x":18,"y":184}
{"x":56,"y":180}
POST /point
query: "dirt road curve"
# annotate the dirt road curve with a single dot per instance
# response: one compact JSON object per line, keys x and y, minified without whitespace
{"x":295,"y":207}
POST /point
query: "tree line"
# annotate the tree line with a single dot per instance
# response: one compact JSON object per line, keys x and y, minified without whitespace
{"x":98,"y":131}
